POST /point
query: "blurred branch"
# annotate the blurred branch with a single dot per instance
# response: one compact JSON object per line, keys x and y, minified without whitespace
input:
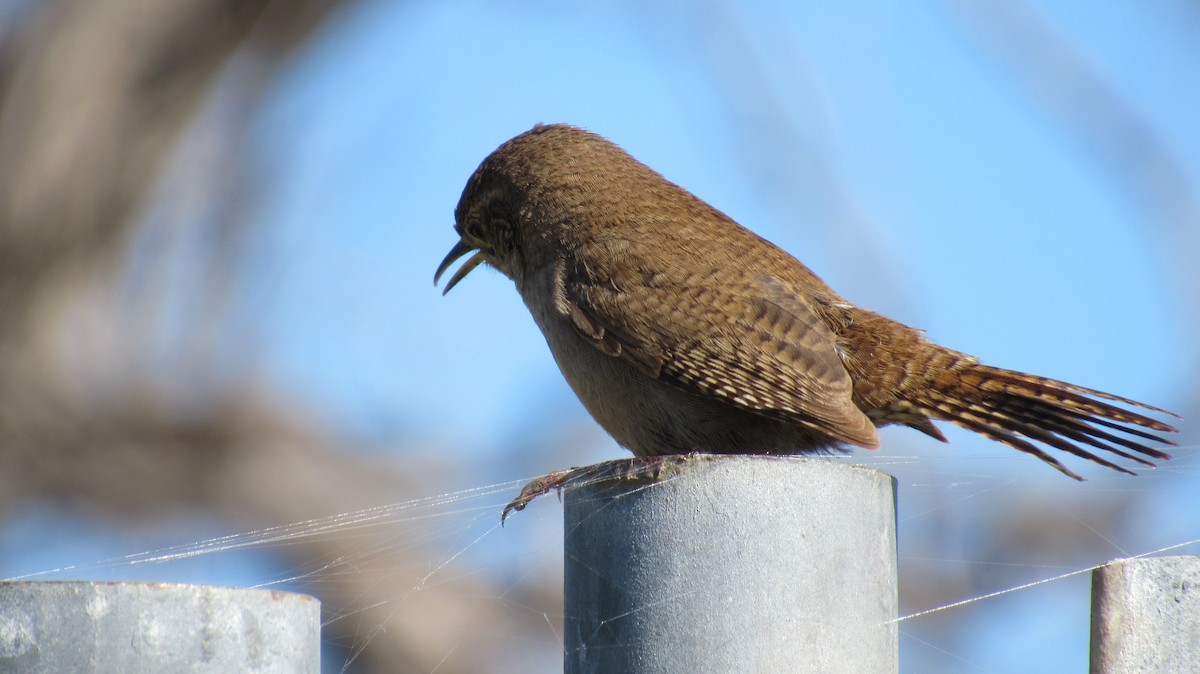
{"x":93,"y":93}
{"x":95,"y":99}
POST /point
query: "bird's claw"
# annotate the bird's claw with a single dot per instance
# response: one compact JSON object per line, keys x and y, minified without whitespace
{"x":534,"y":489}
{"x":646,"y":468}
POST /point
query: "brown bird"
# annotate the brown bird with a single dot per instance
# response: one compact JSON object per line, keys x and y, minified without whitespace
{"x":682,"y":331}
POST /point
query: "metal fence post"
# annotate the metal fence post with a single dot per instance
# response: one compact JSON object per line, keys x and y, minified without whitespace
{"x":156,"y":628}
{"x":731,"y":564}
{"x":1146,"y":616}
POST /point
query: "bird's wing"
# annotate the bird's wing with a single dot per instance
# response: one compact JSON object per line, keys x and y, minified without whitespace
{"x":758,"y":346}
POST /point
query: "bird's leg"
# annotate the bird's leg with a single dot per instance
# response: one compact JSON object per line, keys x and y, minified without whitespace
{"x":638,"y":468}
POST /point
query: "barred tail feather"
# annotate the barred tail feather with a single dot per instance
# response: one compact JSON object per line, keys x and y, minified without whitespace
{"x":1019,"y":409}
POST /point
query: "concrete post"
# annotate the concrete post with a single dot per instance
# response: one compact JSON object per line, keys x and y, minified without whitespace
{"x":155,"y":628}
{"x":731,"y":564}
{"x":1146,"y":616}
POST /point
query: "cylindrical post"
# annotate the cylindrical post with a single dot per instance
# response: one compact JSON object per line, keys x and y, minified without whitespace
{"x":1146,"y":615}
{"x":731,"y":564}
{"x":156,"y":628}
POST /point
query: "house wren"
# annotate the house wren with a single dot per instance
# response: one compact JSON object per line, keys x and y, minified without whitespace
{"x":681,"y":331}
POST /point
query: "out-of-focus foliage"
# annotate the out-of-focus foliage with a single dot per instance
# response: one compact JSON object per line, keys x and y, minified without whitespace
{"x":99,"y":101}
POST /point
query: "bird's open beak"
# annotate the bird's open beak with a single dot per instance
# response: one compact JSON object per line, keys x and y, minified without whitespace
{"x":461,"y":248}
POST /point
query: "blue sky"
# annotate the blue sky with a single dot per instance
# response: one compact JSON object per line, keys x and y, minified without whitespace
{"x":888,"y":145}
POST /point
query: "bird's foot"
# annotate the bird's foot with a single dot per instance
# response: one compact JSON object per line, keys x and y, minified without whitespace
{"x":536,"y":488}
{"x":638,"y":468}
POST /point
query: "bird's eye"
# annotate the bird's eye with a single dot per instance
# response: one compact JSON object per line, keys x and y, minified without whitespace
{"x":473,"y":228}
